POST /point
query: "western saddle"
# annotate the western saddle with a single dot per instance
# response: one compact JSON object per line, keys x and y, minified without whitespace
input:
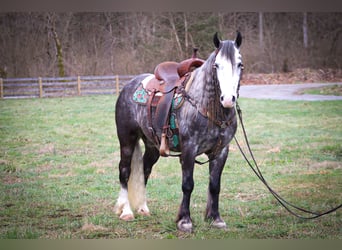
{"x":168,"y":77}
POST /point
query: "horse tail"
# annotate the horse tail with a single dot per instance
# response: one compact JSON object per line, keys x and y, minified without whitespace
{"x":136,"y":182}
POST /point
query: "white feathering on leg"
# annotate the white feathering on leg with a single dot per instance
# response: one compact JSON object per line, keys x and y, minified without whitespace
{"x":122,"y":206}
{"x":136,"y":183}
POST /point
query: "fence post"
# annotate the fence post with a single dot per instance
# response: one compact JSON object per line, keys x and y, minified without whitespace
{"x":40,"y":82}
{"x":79,"y":85}
{"x":1,"y":88}
{"x":117,"y":85}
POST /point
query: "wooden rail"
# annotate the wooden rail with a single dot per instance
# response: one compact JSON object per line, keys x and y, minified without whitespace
{"x":62,"y":86}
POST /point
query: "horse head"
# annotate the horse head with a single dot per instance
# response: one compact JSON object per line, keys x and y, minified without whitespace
{"x":228,"y":66}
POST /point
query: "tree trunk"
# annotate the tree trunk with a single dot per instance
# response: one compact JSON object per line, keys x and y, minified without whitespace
{"x":173,"y":26}
{"x":261,"y":31}
{"x":59,"y":54}
{"x":186,"y":32}
{"x":60,"y":64}
{"x":110,"y":41}
{"x":305,"y":30}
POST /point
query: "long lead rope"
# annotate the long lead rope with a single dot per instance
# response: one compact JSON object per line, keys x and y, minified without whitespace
{"x":287,"y":205}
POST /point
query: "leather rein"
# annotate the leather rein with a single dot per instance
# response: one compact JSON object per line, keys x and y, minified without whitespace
{"x":291,"y":208}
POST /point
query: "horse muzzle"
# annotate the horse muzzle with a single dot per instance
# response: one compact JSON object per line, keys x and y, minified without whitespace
{"x":228,"y":102}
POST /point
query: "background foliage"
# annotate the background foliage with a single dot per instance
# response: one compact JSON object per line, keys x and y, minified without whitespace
{"x":98,"y":43}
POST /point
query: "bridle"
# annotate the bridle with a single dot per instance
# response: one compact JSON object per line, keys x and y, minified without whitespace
{"x":215,"y":79}
{"x":222,"y":124}
{"x":203,"y":111}
{"x":242,"y":67}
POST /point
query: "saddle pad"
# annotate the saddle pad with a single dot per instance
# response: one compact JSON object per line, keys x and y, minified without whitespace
{"x":178,"y":100}
{"x":146,"y":81}
{"x":141,"y":95}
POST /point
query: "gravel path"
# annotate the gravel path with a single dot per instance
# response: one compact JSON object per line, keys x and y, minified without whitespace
{"x":286,"y":92}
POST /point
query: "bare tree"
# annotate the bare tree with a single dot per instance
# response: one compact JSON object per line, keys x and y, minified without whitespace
{"x":261,"y":31}
{"x":174,"y":30}
{"x":305,"y":30}
{"x":186,"y":39}
{"x":51,"y":44}
{"x":51,"y":23}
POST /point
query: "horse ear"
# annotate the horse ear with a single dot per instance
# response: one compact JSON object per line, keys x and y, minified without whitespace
{"x":216,"y":40}
{"x":238,"y":39}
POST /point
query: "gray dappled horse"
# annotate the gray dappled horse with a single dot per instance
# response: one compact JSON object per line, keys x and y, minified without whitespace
{"x":206,"y":122}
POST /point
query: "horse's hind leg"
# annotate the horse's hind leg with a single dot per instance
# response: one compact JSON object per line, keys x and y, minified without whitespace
{"x":134,"y":173}
{"x":123,"y":207}
{"x":151,"y":156}
{"x":130,"y":166}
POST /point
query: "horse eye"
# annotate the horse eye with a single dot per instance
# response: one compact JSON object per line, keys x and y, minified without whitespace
{"x":240,"y":65}
{"x":216,"y":66}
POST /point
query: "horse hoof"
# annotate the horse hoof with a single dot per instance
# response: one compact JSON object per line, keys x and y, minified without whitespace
{"x":184,"y":226}
{"x":118,"y":209}
{"x":220,"y":224}
{"x":127,"y":217}
{"x":143,"y":212}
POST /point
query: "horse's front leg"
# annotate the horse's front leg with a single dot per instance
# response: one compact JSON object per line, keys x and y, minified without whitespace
{"x":184,"y":222}
{"x":215,"y":169}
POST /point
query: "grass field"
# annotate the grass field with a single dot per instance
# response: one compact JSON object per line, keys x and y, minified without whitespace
{"x":329,"y":90}
{"x":59,"y":174}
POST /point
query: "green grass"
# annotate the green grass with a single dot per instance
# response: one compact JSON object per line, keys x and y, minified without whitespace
{"x":59,"y":174}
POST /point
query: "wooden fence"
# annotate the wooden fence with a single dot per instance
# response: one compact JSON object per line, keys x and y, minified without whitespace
{"x":61,"y":86}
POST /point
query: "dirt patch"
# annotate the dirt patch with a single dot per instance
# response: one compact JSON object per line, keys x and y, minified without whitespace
{"x":325,"y":165}
{"x":274,"y":150}
{"x":90,"y":227}
{"x":102,"y":165}
{"x":244,"y":197}
{"x":48,"y":149}
{"x":68,"y":174}
{"x":11,"y":179}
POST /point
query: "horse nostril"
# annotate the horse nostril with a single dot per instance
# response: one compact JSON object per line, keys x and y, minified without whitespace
{"x":233,"y":99}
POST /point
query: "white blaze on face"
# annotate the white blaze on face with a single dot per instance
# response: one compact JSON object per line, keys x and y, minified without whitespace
{"x":228,"y":75}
